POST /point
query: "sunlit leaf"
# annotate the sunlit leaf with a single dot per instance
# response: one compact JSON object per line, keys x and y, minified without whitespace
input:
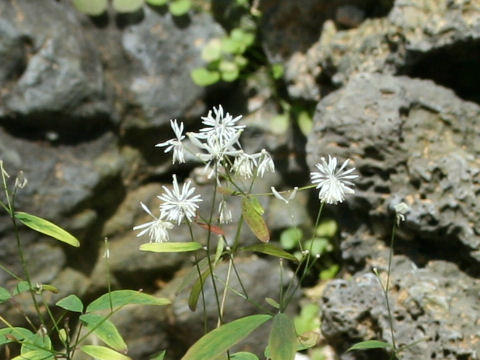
{"x":179,"y":7}
{"x":124,"y":297}
{"x":254,"y":219}
{"x":277,"y":71}
{"x":212,"y":51}
{"x":36,"y":355}
{"x":103,"y":353}
{"x":37,"y":342}
{"x":330,"y":272}
{"x":370,"y":344}
{"x":327,"y":228}
{"x":171,"y":246}
{"x":71,"y":303}
{"x":308,"y":319}
{"x":283,"y":339}
{"x":305,"y":122}
{"x":46,"y":227}
{"x":126,"y":6}
{"x":105,"y":330}
{"x":204,"y":77}
{"x":156,"y":2}
{"x":22,"y":286}
{"x":291,"y":237}
{"x":223,"y":338}
{"x":318,"y":246}
{"x":270,"y":249}
{"x":272,"y":302}
{"x":280,"y":123}
{"x":229,"y":70}
{"x":91,"y":7}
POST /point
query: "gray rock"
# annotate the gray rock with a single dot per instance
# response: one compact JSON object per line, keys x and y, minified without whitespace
{"x":53,"y":78}
{"x":411,"y":141}
{"x":435,"y":306}
{"x":428,"y":40}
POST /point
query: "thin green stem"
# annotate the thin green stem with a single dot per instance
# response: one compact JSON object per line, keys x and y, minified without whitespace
{"x":11,"y":273}
{"x":387,"y":288}
{"x":209,"y":238}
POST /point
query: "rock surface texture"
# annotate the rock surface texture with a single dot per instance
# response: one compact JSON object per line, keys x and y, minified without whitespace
{"x":411,"y":141}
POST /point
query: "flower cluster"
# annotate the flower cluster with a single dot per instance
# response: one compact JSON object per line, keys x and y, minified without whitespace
{"x":217,"y":145}
{"x":177,"y":205}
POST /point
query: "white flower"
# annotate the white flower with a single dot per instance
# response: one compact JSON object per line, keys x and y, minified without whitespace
{"x":280,"y":197}
{"x":175,"y":144}
{"x":216,"y":150}
{"x":244,"y":164}
{"x":156,"y":229}
{"x":21,"y":181}
{"x":224,"y":213}
{"x":223,"y":126}
{"x":265,"y":163}
{"x":177,"y":205}
{"x":400,"y":211}
{"x":333,"y":184}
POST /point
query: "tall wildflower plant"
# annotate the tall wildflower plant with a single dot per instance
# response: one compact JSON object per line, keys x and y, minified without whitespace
{"x":234,"y":172}
{"x":35,"y":340}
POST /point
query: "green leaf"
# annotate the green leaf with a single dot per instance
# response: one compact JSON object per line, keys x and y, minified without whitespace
{"x":243,"y":37}
{"x":160,"y":356}
{"x":4,"y":294}
{"x":330,"y":272}
{"x":193,"y":274}
{"x":62,"y":335}
{"x":291,"y":237}
{"x":204,"y":77}
{"x":36,"y":355}
{"x":270,"y":249}
{"x":126,"y":6}
{"x":91,"y":7}
{"x":105,"y":330}
{"x":71,"y":303}
{"x":103,"y":353}
{"x":46,"y":227}
{"x":223,"y":338}
{"x":317,"y":246}
{"x":277,"y":71}
{"x":212,"y":51}
{"x":229,"y":70}
{"x":252,"y":215}
{"x":156,"y":2}
{"x":179,"y":7}
{"x":241,"y":61}
{"x":219,"y":251}
{"x":272,"y":302}
{"x":327,"y":228}
{"x":308,"y":320}
{"x":232,"y":46}
{"x":37,"y":342}
{"x":171,"y":246}
{"x":279,"y":124}
{"x":305,"y":122}
{"x":197,"y":289}
{"x":21,"y":287}
{"x":15,"y":334}
{"x":283,"y":339}
{"x":370,"y":344}
{"x":244,"y":356}
{"x":125,"y":297}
